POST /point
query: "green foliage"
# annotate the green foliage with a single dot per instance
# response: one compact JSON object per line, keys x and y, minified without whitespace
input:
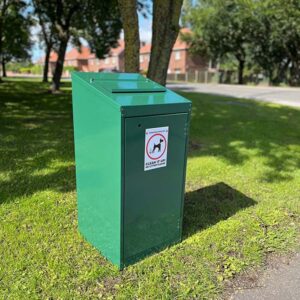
{"x":70,"y":68}
{"x":69,"y":20}
{"x":101,"y":25}
{"x":96,"y":21}
{"x":36,"y":69}
{"x":255,"y":33}
{"x":15,"y":66}
{"x":223,"y":27}
{"x":25,"y":70}
{"x":15,"y":30}
{"x":276,"y":41}
{"x":242,"y":201}
{"x":24,"y":67}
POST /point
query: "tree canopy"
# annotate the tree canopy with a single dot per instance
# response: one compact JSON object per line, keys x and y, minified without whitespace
{"x":96,"y":21}
{"x":265,"y":33}
{"x":15,"y":25}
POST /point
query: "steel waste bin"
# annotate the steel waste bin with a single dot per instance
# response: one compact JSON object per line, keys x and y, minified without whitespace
{"x":130,"y":150}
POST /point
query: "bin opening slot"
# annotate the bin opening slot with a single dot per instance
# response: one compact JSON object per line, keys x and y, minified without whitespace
{"x":131,"y":86}
{"x":120,"y":91}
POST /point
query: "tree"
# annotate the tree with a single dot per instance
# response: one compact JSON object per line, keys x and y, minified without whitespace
{"x":277,"y":46}
{"x":165,"y":29}
{"x":100,"y":26}
{"x":97,"y":21}
{"x":268,"y":52}
{"x":225,"y":26}
{"x":17,"y":32}
{"x":62,"y":15}
{"x":128,"y":9}
{"x":265,"y":33}
{"x":4,"y":4}
{"x":47,"y":34}
{"x":14,"y":30}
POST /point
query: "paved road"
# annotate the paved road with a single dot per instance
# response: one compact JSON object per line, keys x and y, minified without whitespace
{"x":285,"y":96}
{"x":282,"y":283}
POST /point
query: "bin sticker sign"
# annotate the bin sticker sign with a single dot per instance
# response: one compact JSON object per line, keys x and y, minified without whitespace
{"x":156,"y":146}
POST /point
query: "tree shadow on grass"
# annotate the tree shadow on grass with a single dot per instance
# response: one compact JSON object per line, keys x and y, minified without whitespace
{"x":36,"y":141}
{"x":209,"y":205}
{"x":239,"y":130}
{"x":36,"y":137}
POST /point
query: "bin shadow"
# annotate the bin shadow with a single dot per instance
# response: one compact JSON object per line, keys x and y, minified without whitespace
{"x":209,"y":205}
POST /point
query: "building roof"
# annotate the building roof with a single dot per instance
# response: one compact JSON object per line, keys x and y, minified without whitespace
{"x":145,"y":49}
{"x":83,"y":53}
{"x":118,"y":50}
{"x":53,"y":57}
{"x":75,"y":53}
{"x":179,"y":44}
{"x":113,"y":51}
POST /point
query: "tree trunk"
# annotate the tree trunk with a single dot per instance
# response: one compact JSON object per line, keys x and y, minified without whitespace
{"x":165,"y":28}
{"x":4,"y":7}
{"x":1,"y":44}
{"x":241,"y":71}
{"x":128,"y":9}
{"x":59,"y":64}
{"x":295,"y":74}
{"x":271,"y":76}
{"x":3,"y":67}
{"x":46,"y":63}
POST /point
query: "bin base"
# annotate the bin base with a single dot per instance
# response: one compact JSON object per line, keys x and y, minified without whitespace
{"x":135,"y":258}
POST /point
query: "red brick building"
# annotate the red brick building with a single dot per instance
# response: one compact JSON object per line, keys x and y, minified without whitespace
{"x":113,"y":62}
{"x":181,"y":60}
{"x":78,"y":59}
{"x":83,"y":60}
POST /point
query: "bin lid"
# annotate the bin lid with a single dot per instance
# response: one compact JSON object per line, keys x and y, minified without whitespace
{"x":131,"y":86}
{"x":132,"y":92}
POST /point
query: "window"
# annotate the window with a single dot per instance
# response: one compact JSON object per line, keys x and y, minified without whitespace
{"x":141,"y":58}
{"x":177,"y":55}
{"x":113,"y":60}
{"x":106,"y":61}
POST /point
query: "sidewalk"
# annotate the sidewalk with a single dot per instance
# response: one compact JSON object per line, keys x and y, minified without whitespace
{"x":279,"y":95}
{"x":281,"y":283}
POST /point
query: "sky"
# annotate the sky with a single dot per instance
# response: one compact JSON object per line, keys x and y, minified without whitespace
{"x":145,"y":26}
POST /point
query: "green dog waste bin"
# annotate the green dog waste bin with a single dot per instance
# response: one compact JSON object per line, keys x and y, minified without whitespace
{"x":130,"y":149}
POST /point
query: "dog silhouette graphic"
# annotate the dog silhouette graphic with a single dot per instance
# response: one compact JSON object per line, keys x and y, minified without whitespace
{"x":157,"y":146}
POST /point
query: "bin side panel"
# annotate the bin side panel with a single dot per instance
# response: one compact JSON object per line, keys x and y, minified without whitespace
{"x":153,"y":198}
{"x":97,"y":133}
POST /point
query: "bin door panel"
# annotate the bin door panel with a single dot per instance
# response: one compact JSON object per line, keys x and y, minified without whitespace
{"x":152,"y":208}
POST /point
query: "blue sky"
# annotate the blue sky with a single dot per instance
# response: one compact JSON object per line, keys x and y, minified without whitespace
{"x":145,"y":26}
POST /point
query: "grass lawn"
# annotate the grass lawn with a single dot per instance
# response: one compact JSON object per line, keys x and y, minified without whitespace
{"x":242,"y":201}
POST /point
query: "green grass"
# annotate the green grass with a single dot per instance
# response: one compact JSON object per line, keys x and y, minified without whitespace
{"x":242,"y":201}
